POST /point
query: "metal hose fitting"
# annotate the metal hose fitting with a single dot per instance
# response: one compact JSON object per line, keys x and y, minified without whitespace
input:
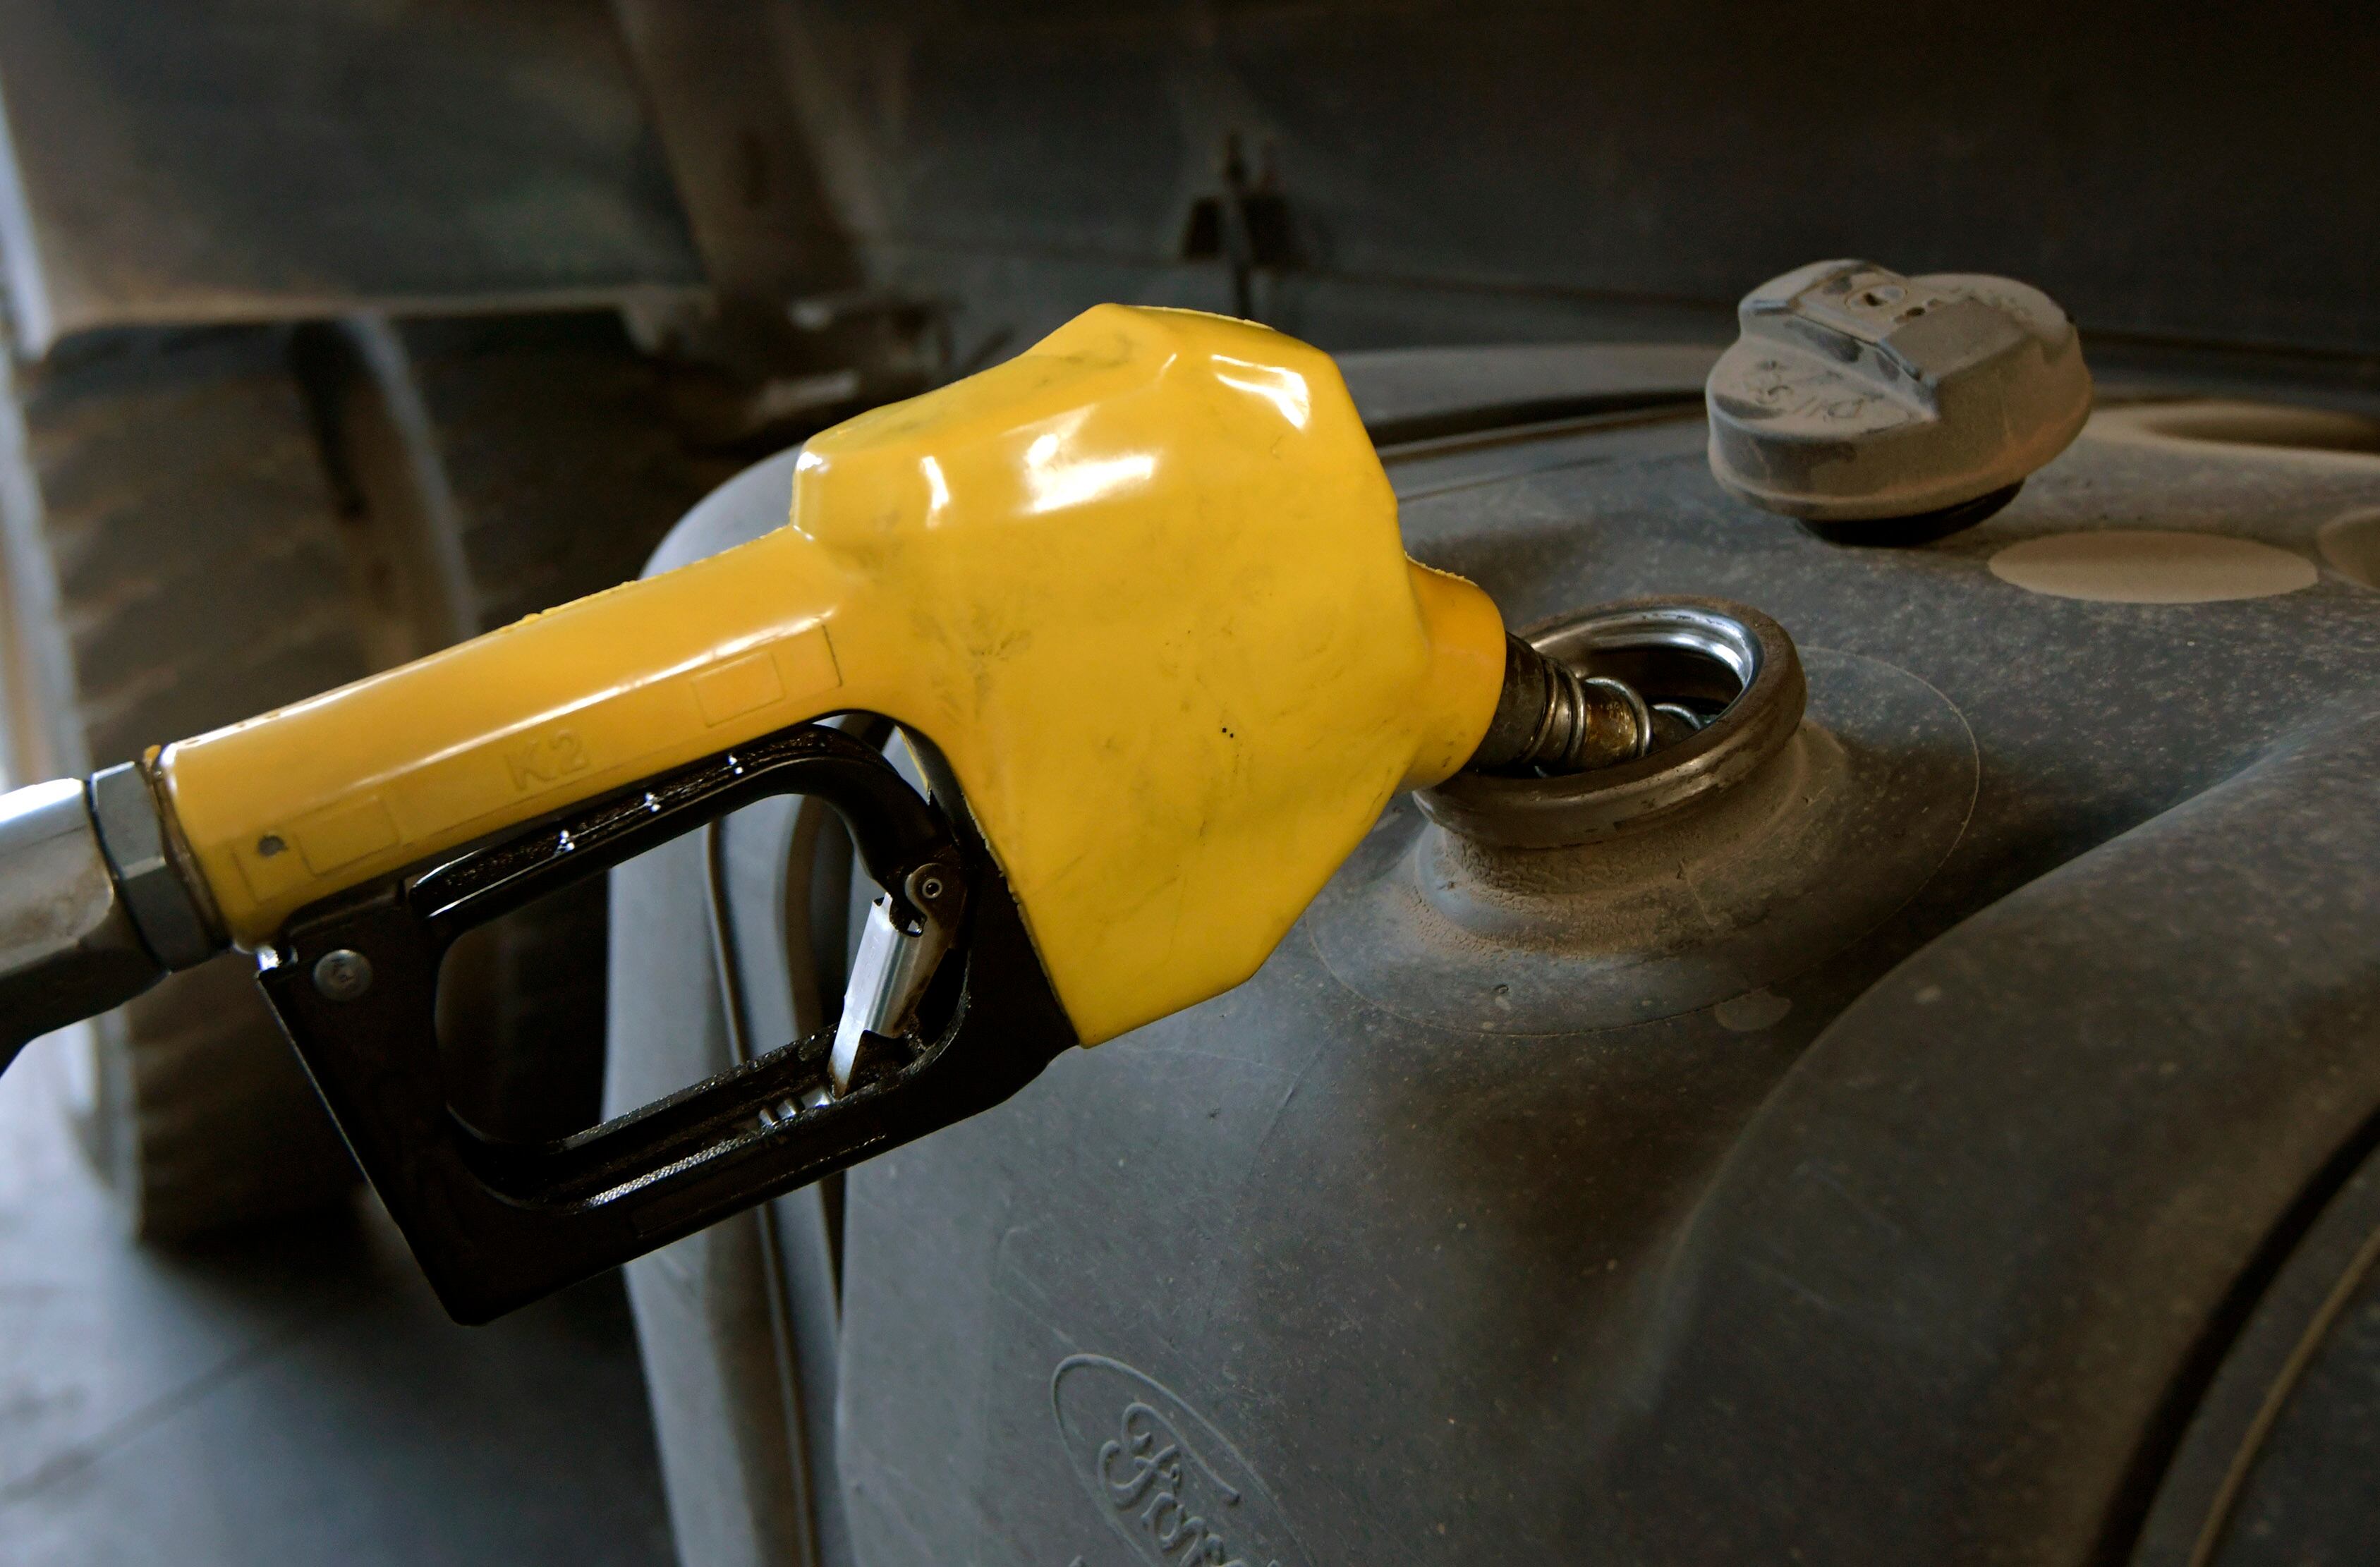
{"x":1551,"y":720}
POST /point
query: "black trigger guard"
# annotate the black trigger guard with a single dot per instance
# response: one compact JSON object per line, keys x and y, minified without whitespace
{"x":496,"y":1224}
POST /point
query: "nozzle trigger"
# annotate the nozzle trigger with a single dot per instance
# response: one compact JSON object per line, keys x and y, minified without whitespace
{"x":497,"y":1224}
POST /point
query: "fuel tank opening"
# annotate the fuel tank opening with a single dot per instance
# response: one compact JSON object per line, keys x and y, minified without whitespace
{"x":1727,"y":860}
{"x":1624,"y":716}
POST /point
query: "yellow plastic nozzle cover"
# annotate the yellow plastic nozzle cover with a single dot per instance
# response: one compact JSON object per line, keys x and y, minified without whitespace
{"x":1142,"y":586}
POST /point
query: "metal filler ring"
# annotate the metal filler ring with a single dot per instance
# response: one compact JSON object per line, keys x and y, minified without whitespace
{"x":1730,"y":656}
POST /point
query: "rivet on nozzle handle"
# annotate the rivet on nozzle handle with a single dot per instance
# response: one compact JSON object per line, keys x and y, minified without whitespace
{"x":1552,"y":719}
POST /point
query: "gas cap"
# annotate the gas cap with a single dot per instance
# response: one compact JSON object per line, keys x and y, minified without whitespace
{"x":1884,"y":409}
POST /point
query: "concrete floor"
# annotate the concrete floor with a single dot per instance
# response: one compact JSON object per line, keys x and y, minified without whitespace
{"x":293,"y":1400}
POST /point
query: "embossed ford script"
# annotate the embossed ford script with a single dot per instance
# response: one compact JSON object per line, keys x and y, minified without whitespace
{"x":1166,"y":1481}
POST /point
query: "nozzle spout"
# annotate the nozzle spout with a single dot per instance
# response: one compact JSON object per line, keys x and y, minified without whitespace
{"x":1552,"y":719}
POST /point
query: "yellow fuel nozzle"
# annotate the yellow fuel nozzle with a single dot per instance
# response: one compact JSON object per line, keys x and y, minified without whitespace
{"x":1141,"y":586}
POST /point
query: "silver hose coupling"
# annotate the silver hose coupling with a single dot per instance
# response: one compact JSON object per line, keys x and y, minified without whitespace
{"x":94,"y":907}
{"x":168,"y":906}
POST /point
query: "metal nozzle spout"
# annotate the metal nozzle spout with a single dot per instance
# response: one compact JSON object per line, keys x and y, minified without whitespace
{"x":1551,"y":720}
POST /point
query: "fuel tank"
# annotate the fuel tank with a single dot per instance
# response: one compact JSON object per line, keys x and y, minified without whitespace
{"x":1938,"y":1134}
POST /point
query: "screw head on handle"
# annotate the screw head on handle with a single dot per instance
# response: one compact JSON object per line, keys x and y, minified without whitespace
{"x":343,"y":975}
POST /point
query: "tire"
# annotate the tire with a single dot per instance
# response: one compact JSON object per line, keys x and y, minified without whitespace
{"x":213,"y":523}
{"x":510,"y":464}
{"x":181,"y":568}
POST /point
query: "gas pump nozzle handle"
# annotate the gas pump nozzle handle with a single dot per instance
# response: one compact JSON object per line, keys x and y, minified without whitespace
{"x":1137,"y":596}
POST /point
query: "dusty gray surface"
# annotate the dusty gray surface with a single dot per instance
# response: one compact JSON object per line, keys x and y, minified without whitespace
{"x":299,"y":1399}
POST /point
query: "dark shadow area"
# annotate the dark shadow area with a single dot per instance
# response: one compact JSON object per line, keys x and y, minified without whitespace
{"x":293,"y":1394}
